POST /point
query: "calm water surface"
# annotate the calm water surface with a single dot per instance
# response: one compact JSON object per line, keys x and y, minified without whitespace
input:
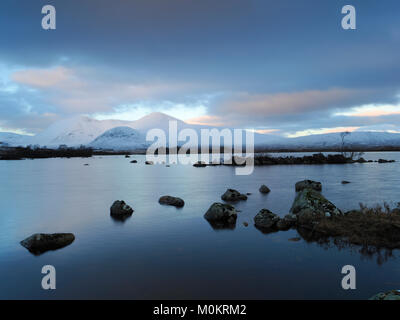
{"x":167,"y":253}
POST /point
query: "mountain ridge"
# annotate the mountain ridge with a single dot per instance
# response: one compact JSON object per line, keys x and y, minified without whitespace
{"x":83,"y":130}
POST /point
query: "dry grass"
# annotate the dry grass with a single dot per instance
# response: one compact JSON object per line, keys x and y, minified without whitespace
{"x":377,"y":227}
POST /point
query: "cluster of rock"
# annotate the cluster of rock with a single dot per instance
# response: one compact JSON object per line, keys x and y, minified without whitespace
{"x":308,"y":208}
{"x":119,"y":211}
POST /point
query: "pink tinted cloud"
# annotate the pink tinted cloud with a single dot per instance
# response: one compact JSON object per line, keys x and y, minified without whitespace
{"x":44,"y":78}
{"x":289,"y":103}
{"x":85,"y":90}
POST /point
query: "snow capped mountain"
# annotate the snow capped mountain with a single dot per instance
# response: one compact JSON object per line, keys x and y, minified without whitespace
{"x":13,"y":139}
{"x":74,"y":131}
{"x":120,"y":138}
{"x":357,"y":138}
{"x":156,"y":120}
{"x":118,"y":135}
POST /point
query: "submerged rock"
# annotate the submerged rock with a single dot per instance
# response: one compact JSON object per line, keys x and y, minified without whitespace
{"x":390,"y":295}
{"x":310,"y":205}
{"x":345,"y":182}
{"x":308,"y":184}
{"x":42,"y":242}
{"x":233,"y":195}
{"x":149,"y":162}
{"x":221,"y":216}
{"x":264,"y":189}
{"x":120,"y":210}
{"x":265,"y":219}
{"x":172,"y":201}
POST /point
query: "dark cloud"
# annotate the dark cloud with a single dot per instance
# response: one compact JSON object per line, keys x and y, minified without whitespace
{"x":277,"y":63}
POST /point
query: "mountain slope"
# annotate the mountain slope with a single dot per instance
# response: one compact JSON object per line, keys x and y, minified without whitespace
{"x":355,"y":139}
{"x":120,"y":138}
{"x":74,"y":131}
{"x":13,"y":139}
{"x":80,"y":130}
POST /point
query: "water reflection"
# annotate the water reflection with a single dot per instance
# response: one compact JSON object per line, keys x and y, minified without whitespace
{"x":222,"y":225}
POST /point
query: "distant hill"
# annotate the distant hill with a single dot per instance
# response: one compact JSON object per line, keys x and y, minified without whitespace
{"x":13,"y":139}
{"x":117,"y":135}
{"x":120,"y":138}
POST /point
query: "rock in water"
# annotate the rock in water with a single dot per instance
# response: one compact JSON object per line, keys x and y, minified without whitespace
{"x":308,"y":184}
{"x":345,"y":182}
{"x":42,"y":242}
{"x":200,"y":164}
{"x":233,"y":195}
{"x":287,"y":222}
{"x":134,"y":161}
{"x":390,"y":295}
{"x":264,"y":189}
{"x":265,"y":219}
{"x":221,"y":216}
{"x":149,"y":163}
{"x":172,"y":201}
{"x":310,"y":205}
{"x":120,"y":210}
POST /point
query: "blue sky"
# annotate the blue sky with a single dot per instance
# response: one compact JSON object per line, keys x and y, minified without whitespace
{"x":285,"y":67}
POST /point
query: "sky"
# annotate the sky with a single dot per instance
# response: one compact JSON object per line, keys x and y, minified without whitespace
{"x":282,"y":67}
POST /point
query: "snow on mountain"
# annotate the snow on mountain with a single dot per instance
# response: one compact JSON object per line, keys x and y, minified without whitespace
{"x":120,"y":138}
{"x":81,"y":130}
{"x":75,"y":131}
{"x":357,"y":138}
{"x":13,"y":139}
{"x":157,"y":120}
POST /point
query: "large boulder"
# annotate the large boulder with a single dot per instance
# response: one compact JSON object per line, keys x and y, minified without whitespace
{"x":120,"y":210}
{"x":264,"y":189}
{"x":221,"y":215}
{"x":308,"y":184}
{"x":287,"y":222}
{"x":265,"y":219}
{"x":172,"y":201}
{"x":42,"y":242}
{"x":310,"y":205}
{"x":233,"y":195}
{"x":390,"y":295}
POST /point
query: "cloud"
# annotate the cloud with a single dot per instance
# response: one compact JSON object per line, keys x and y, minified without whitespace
{"x":285,"y":103}
{"x":45,"y":78}
{"x":371,"y":111}
{"x":322,"y":131}
{"x":85,"y":90}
